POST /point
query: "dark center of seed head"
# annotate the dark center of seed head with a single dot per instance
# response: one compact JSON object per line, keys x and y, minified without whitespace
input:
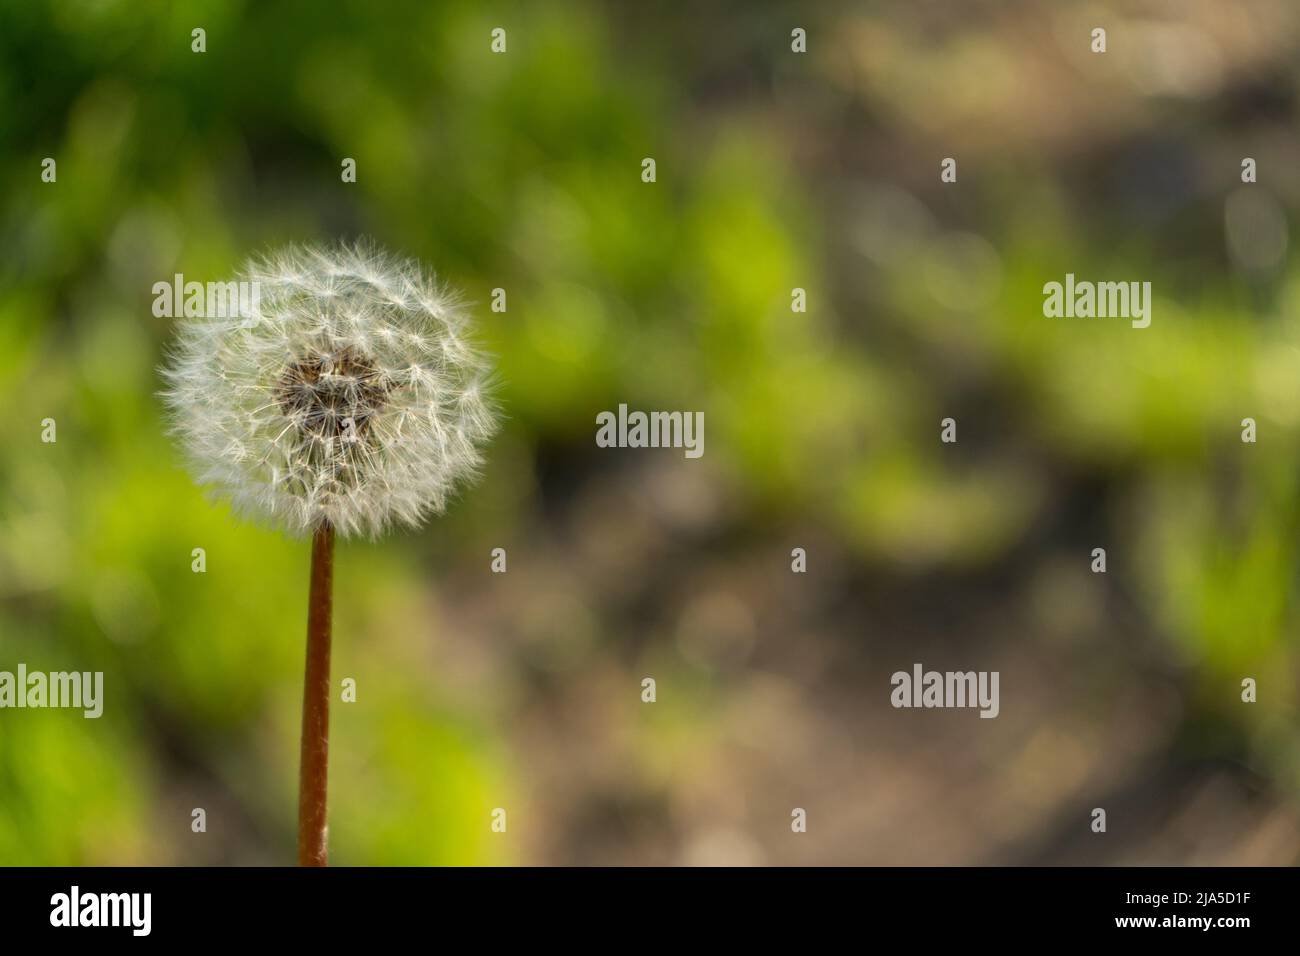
{"x":334,"y":395}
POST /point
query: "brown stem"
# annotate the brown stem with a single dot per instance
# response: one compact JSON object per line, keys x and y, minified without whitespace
{"x":312,"y":830}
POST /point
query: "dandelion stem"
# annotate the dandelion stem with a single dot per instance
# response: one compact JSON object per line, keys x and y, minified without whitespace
{"x":312,"y":850}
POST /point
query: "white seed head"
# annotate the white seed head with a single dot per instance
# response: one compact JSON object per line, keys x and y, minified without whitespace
{"x":348,"y":393}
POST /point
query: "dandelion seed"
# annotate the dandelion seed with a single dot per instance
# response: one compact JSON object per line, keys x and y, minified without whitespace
{"x":332,"y":344}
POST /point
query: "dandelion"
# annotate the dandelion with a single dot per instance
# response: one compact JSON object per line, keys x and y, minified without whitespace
{"x":345,"y":399}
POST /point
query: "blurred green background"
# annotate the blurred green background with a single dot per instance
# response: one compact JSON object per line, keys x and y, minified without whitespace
{"x":775,"y":170}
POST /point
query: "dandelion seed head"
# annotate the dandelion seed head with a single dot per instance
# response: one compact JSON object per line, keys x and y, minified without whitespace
{"x":347,"y":394}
